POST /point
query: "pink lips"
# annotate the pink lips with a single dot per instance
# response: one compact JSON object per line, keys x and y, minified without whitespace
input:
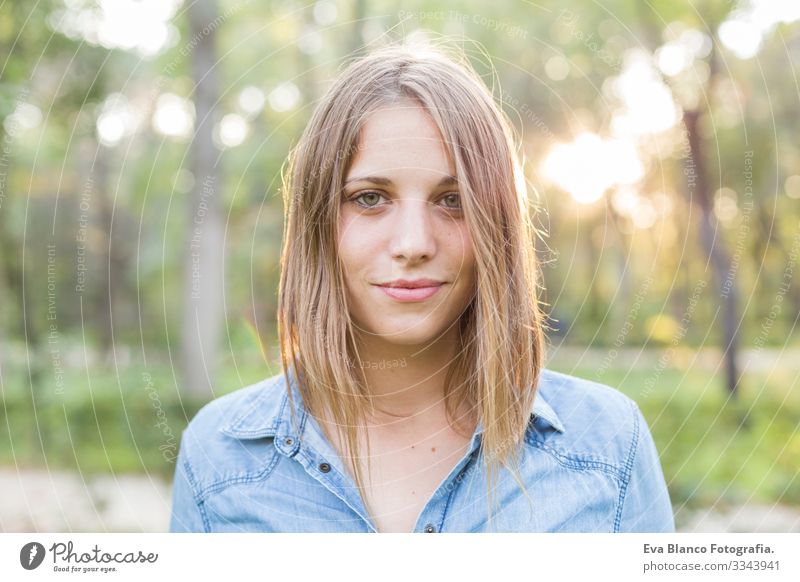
{"x":406,"y":291}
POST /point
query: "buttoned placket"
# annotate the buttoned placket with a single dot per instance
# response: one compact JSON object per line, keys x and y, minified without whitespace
{"x":431,"y":518}
{"x":316,"y":455}
{"x":319,"y":459}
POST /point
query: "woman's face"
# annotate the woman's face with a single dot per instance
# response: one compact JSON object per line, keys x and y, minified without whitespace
{"x":402,"y":226}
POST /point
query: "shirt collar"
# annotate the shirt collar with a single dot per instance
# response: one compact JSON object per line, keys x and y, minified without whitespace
{"x":543,"y":410}
{"x":265,"y":410}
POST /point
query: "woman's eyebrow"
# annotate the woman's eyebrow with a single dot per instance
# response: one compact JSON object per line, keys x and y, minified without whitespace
{"x":446,"y":181}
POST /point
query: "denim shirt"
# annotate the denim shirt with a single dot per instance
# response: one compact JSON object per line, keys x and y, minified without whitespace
{"x":588,"y":463}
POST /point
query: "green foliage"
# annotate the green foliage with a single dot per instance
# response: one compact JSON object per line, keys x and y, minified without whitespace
{"x":110,"y":428}
{"x":111,"y":418}
{"x":597,"y":264}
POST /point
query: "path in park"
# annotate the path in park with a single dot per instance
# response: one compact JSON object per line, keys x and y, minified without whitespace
{"x":37,"y":500}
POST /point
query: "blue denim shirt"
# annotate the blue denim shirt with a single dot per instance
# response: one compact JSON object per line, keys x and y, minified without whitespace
{"x":588,"y":463}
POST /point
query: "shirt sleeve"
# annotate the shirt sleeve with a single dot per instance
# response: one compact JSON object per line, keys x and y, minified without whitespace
{"x":645,"y":504}
{"x":187,"y":515}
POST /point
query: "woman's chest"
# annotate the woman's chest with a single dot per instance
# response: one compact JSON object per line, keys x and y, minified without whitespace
{"x":401,"y":477}
{"x":294,"y":496}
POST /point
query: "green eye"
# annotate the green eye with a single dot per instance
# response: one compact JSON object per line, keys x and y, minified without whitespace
{"x":370,"y":194}
{"x":371,"y":199}
{"x":453,"y":201}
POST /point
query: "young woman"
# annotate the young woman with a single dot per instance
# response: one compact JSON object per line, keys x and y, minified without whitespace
{"x":413,"y":396}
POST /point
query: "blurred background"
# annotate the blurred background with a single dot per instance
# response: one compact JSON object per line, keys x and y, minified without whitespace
{"x":141,"y":224}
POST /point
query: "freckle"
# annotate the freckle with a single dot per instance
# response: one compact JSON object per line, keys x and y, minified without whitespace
{"x":413,"y":493}
{"x":433,"y":449}
{"x":412,"y":446}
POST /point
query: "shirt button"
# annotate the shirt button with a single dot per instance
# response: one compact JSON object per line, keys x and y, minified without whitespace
{"x":429,"y":528}
{"x":324,"y":467}
{"x":289,"y":442}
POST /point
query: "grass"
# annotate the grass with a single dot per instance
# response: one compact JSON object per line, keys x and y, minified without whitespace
{"x":714,"y":451}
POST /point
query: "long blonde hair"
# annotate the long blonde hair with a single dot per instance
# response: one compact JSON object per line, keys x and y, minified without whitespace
{"x":502,"y":339}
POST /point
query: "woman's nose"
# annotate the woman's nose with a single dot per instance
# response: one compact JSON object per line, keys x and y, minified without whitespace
{"x":413,"y":236}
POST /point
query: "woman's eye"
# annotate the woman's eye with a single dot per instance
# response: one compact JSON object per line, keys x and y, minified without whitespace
{"x":452,"y":201}
{"x":370,"y":199}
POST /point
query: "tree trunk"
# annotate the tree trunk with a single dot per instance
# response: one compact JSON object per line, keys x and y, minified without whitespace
{"x":717,"y":256}
{"x":202,"y":317}
{"x":93,"y":163}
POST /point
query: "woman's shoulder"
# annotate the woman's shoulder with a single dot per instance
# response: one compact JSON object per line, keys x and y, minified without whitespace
{"x":235,"y":412}
{"x":573,"y":397}
{"x":222,"y":439}
{"x":604,"y":431}
{"x":598,"y":422}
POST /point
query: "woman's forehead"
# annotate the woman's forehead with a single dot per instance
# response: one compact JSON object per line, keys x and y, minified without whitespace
{"x":400,"y":137}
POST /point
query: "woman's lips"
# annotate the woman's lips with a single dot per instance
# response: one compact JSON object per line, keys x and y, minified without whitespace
{"x":405,"y":295}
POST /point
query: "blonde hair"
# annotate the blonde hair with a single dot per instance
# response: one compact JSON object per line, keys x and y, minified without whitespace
{"x":502,"y":339}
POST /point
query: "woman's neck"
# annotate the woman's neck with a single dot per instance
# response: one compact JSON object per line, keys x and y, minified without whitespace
{"x":407,"y":381}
